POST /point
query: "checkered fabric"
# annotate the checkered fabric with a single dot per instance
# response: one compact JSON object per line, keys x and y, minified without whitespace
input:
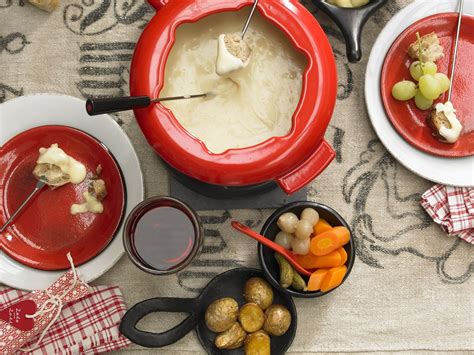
{"x":88,"y":325}
{"x":452,"y":208}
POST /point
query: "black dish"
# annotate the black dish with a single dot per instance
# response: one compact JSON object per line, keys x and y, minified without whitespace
{"x":221,"y":192}
{"x":227,"y":284}
{"x":270,"y":229}
{"x":351,"y":22}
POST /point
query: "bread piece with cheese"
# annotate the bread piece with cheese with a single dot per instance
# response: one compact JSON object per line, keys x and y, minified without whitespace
{"x":98,"y":189}
{"x":436,"y":120}
{"x":51,"y":174}
{"x":431,"y":49}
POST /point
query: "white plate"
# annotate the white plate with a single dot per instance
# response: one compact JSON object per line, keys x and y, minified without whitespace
{"x":449,"y":171}
{"x":27,"y":112}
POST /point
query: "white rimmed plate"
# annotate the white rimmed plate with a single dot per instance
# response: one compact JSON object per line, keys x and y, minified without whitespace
{"x":449,"y":171}
{"x":26,"y":112}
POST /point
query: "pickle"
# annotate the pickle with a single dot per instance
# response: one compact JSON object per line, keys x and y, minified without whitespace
{"x":298,"y":283}
{"x":286,"y":271}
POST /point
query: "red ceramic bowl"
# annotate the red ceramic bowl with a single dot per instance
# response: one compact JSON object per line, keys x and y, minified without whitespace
{"x":45,"y":231}
{"x":293,"y":160}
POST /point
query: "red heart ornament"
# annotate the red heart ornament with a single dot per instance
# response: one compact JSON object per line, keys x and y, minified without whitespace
{"x":16,"y":315}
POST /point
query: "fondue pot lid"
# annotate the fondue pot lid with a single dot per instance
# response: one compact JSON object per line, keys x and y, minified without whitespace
{"x":292,"y":160}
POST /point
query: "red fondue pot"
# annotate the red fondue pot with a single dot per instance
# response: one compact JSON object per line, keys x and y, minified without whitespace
{"x":293,"y":160}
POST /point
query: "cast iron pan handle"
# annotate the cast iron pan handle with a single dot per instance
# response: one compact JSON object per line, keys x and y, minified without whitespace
{"x":116,"y":104}
{"x":128,"y":326}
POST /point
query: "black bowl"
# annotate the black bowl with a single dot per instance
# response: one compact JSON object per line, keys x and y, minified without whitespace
{"x":351,"y":22}
{"x":270,"y":230}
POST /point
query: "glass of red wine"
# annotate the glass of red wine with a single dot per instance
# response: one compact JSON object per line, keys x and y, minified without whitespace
{"x":162,"y":235}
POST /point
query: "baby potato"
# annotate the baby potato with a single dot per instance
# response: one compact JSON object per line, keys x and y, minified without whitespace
{"x":277,"y":320}
{"x":251,"y":317}
{"x":287,"y":222}
{"x":259,"y":291}
{"x":221,"y":314}
{"x":257,"y":343}
{"x":303,"y":229}
{"x":311,"y":215}
{"x":232,"y":338}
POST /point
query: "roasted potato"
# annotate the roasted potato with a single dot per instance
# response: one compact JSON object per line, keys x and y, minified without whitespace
{"x":221,"y":314}
{"x":277,"y":320}
{"x":251,"y":317}
{"x":257,"y":343}
{"x":232,"y":338}
{"x":258,"y":291}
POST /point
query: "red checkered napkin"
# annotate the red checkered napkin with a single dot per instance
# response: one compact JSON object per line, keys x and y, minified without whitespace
{"x":452,"y":208}
{"x":88,"y":325}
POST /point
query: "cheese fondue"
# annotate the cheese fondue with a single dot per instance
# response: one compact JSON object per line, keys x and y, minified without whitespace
{"x":250,"y":105}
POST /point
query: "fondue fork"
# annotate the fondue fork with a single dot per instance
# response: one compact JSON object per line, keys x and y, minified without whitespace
{"x":249,"y":18}
{"x":39,"y":186}
{"x":456,"y":43}
{"x":117,"y":104}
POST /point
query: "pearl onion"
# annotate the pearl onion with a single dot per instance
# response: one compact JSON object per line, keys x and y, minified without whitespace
{"x":311,"y":215}
{"x":287,"y":222}
{"x":284,"y":239}
{"x":303,"y":229}
{"x":300,"y":246}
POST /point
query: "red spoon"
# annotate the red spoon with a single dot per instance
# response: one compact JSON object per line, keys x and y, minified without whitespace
{"x":272,"y":245}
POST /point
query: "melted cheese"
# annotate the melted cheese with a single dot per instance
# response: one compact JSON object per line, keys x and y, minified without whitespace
{"x":451,"y":135}
{"x":91,"y":204}
{"x":68,"y":165}
{"x":250,"y":105}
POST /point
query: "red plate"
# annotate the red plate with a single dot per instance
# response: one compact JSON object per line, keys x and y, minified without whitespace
{"x":408,"y":120}
{"x":45,"y":231}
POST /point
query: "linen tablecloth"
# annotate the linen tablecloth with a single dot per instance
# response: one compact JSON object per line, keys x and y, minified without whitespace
{"x":411,"y":287}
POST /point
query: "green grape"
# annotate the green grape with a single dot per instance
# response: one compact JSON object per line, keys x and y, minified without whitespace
{"x":415,"y":70}
{"x":404,"y":90}
{"x":443,"y":81}
{"x":430,"y":68}
{"x":429,"y":87}
{"x":422,"y":102}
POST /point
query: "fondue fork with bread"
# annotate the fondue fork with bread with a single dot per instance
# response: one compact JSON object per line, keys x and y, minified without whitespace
{"x":233,"y":53}
{"x":442,"y":119}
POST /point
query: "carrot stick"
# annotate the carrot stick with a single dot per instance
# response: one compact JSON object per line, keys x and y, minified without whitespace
{"x":311,"y":261}
{"x":333,"y":278}
{"x":321,"y":227}
{"x":316,"y":278}
{"x":329,"y":241}
{"x":343,"y":254}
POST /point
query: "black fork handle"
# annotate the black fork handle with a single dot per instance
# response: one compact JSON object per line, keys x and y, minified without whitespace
{"x":128,"y":327}
{"x":116,"y":104}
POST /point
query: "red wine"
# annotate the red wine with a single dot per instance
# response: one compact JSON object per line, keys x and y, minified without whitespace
{"x":163,"y":237}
